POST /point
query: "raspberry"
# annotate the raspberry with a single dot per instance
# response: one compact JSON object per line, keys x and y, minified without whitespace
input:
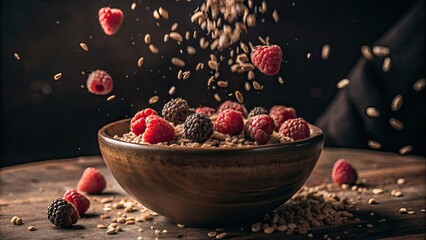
{"x":208,"y":111}
{"x":176,"y":110}
{"x":295,"y":128}
{"x":229,"y":122}
{"x":234,"y":106}
{"x":259,"y":128}
{"x":80,"y":202}
{"x":110,"y":19}
{"x":257,"y":111}
{"x":157,"y":130}
{"x":138,"y":127}
{"x":198,"y":127}
{"x":143,"y":114}
{"x":138,"y":124}
{"x":281,"y":114}
{"x":267,"y":59}
{"x":99,"y":82}
{"x":343,"y":172}
{"x":62,"y":213}
{"x":92,"y":181}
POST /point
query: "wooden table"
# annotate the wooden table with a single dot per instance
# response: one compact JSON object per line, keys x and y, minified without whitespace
{"x":27,"y":190}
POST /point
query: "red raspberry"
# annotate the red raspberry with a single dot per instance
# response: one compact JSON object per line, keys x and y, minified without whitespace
{"x":99,"y":82}
{"x":343,"y":172}
{"x":259,"y":128}
{"x":281,"y":114}
{"x":157,"y":130}
{"x":143,"y":114}
{"x":267,"y":59}
{"x":138,"y":124}
{"x":234,"y":106}
{"x":78,"y":200}
{"x":92,"y":181}
{"x":138,"y":127}
{"x":208,"y":111}
{"x":229,"y":122}
{"x":295,"y":128}
{"x":110,"y":19}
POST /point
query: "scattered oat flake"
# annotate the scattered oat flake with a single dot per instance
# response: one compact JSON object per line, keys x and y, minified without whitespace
{"x":374,"y":144}
{"x":147,"y":38}
{"x":396,"y":124}
{"x":366,"y":52}
{"x":17,"y":56}
{"x":325,"y":52}
{"x":57,"y":76}
{"x":419,"y":85}
{"x":153,"y":99}
{"x":84,"y":47}
{"x":275,"y":15}
{"x":405,"y":150}
{"x":140,"y":61}
{"x":172,"y":90}
{"x":381,"y":51}
{"x":386,"y":64}
{"x":308,"y":55}
{"x":178,"y":62}
{"x":411,"y":212}
{"x":110,"y":98}
{"x":403,"y":210}
{"x":281,"y":80}
{"x":239,"y":96}
{"x":370,"y":225}
{"x":397,"y":102}
{"x":217,"y":97}
{"x":372,"y":112}
{"x":343,"y":83}
{"x":153,"y":48}
{"x":377,"y":191}
{"x":133,"y":6}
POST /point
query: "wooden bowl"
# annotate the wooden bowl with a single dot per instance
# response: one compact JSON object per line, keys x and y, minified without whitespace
{"x":209,"y":187}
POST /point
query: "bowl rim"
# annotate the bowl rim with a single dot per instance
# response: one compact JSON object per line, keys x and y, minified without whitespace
{"x":316,"y":134}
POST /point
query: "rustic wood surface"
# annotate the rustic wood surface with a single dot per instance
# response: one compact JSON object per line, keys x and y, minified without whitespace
{"x":27,"y":190}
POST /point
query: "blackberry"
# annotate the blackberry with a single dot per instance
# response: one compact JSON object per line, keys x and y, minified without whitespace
{"x":257,"y":111}
{"x":62,"y":213}
{"x":198,"y":128}
{"x":176,"y":111}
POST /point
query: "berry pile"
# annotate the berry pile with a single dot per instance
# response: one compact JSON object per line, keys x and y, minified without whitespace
{"x":64,"y":212}
{"x":229,"y":125}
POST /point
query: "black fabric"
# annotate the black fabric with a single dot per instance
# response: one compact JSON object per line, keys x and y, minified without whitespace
{"x":345,"y":122}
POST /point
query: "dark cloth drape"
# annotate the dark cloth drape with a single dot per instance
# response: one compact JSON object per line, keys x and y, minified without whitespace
{"x":345,"y":122}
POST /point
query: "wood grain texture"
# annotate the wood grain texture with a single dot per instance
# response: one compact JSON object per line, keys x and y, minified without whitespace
{"x":19,"y":195}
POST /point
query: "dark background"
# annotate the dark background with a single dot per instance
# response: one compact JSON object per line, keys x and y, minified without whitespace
{"x":45,"y":119}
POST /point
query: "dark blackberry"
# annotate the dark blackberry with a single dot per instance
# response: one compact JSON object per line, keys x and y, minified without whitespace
{"x":62,"y":213}
{"x":176,"y":111}
{"x":257,"y":111}
{"x":198,"y":128}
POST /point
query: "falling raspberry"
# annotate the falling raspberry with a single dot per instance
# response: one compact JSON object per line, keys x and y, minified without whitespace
{"x":267,"y":59}
{"x":110,"y":19}
{"x":99,"y":82}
